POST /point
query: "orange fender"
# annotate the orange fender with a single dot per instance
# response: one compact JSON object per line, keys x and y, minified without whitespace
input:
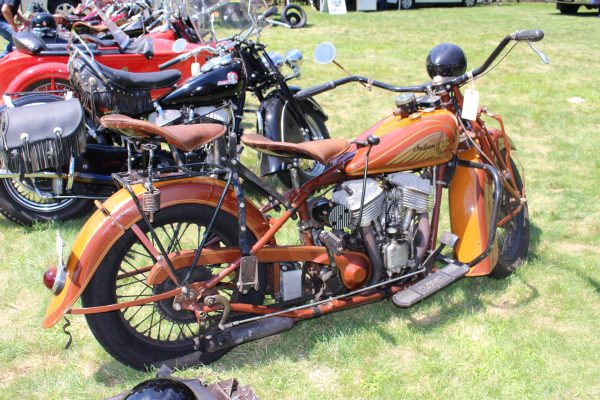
{"x":471,"y":201}
{"x":37,"y":73}
{"x":101,"y":232}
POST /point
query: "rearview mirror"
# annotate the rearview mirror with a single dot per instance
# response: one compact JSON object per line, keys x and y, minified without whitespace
{"x":324,"y":53}
{"x":179,"y":45}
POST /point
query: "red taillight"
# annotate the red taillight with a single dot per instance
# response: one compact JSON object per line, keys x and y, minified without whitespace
{"x":50,"y":277}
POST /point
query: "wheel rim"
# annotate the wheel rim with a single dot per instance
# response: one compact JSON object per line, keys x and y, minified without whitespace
{"x":52,"y":85}
{"x":24,"y":193}
{"x":64,"y":9}
{"x":406,"y":4}
{"x":293,"y":18}
{"x":470,"y":3}
{"x":510,"y":234}
{"x":157,"y":323}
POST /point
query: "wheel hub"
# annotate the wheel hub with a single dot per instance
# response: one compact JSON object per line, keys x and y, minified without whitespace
{"x":165,"y":307}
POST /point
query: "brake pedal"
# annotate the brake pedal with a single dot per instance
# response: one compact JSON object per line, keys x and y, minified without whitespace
{"x":431,"y":284}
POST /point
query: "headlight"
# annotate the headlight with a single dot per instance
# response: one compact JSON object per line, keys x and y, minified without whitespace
{"x":276,"y":58}
{"x":294,"y":58}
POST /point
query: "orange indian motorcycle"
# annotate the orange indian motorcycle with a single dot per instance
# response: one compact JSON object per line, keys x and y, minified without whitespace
{"x":179,"y":266}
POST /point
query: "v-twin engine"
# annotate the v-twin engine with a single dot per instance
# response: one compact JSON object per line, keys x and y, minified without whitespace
{"x":396,"y":207}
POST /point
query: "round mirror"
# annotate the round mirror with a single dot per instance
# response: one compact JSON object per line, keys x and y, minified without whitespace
{"x":179,"y":45}
{"x":324,"y":53}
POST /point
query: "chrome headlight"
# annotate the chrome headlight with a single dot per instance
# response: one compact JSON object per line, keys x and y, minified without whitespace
{"x":294,"y":58}
{"x":276,"y":58}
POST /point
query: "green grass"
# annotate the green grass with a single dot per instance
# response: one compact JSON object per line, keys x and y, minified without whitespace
{"x":534,"y":335}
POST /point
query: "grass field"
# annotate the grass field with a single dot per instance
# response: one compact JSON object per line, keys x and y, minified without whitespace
{"x":534,"y":335}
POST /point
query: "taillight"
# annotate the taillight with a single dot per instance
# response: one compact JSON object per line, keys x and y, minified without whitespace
{"x":54,"y":279}
{"x":50,"y":277}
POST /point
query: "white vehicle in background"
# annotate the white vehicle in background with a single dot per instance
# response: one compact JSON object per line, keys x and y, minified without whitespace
{"x":53,"y":6}
{"x":572,"y":6}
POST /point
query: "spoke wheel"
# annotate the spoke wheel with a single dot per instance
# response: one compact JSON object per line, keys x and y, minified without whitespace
{"x":513,"y":236}
{"x":154,"y":333}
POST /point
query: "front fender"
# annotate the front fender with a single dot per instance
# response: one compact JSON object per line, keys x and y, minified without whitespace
{"x":101,"y":232}
{"x":38,"y":73}
{"x":271,"y":114}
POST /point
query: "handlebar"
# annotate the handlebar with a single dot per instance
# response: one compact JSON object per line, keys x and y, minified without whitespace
{"x":187,"y":55}
{"x":533,"y":35}
{"x":270,"y":12}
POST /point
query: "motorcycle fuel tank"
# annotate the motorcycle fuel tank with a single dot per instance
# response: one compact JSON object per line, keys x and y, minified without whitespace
{"x":423,"y":139}
{"x":209,"y":88}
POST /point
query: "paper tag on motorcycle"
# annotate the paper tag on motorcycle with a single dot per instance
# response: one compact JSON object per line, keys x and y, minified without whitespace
{"x":470,"y":104}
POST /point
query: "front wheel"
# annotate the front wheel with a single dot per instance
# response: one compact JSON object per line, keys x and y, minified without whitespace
{"x":513,"y":236}
{"x":154,"y":333}
{"x":567,"y":9}
{"x":308,"y":169}
{"x":294,"y":16}
{"x":406,"y":4}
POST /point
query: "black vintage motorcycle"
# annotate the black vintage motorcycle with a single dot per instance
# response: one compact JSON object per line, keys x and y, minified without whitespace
{"x":56,"y":176}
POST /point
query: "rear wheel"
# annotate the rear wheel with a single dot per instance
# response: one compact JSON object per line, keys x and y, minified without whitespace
{"x":23,"y":201}
{"x":51,"y":85}
{"x":513,"y":236}
{"x":154,"y":333}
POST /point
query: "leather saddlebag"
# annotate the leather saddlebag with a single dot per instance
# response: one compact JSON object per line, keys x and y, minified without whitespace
{"x":41,"y":136}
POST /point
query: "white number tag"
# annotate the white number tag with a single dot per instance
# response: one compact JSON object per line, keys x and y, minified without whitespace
{"x":195,"y":69}
{"x":470,"y":104}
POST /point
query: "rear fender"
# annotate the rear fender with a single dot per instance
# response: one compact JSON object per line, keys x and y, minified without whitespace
{"x":270,"y":113}
{"x":101,"y":232}
{"x":471,"y":202}
{"x":38,"y":73}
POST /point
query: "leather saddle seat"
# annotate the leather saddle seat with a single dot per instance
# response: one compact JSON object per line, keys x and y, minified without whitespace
{"x":183,"y":137}
{"x":140,"y":80}
{"x":322,"y":151}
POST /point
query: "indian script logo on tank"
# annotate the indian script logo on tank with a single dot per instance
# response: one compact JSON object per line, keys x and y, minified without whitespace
{"x":232,"y":79}
{"x":427,"y":148}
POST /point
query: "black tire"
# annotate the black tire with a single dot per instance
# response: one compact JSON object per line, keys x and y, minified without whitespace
{"x":513,"y":236}
{"x":406,"y":4}
{"x":62,"y":6}
{"x":115,"y":333}
{"x":567,"y":9}
{"x":19,"y":201}
{"x":294,"y":16}
{"x":308,"y":168}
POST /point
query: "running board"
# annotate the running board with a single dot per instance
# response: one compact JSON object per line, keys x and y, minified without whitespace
{"x":432,"y":284}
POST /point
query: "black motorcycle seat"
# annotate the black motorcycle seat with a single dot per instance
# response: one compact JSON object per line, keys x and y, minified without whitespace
{"x":140,"y":80}
{"x":30,"y":43}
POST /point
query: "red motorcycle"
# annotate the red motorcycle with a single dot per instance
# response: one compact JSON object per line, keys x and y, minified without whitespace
{"x":39,"y":66}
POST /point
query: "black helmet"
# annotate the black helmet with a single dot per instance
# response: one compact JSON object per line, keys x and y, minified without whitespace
{"x":43,"y":20}
{"x":446,"y":60}
{"x":161,"y":389}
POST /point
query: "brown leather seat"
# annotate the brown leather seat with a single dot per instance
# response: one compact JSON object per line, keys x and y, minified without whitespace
{"x":321,"y":150}
{"x":184,"y":137}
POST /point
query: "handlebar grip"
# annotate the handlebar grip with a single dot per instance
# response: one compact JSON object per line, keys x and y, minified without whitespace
{"x":532,"y":35}
{"x":314,"y":90}
{"x":172,"y":61}
{"x":270,"y":12}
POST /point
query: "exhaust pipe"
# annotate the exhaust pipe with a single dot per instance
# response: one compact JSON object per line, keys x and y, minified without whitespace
{"x":248,"y":332}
